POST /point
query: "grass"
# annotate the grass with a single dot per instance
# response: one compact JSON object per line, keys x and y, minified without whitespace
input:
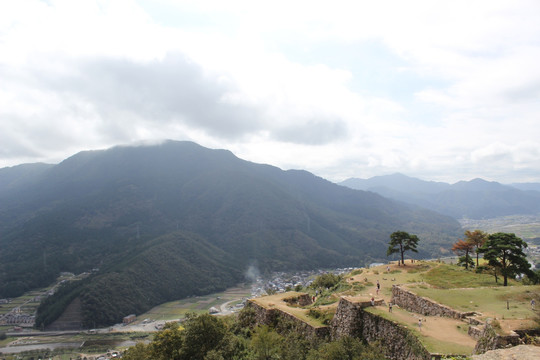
{"x":450,"y":277}
{"x":442,"y":347}
{"x":490,"y":301}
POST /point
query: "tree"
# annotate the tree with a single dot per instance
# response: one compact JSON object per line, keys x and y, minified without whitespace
{"x":504,"y":251}
{"x":345,"y":348}
{"x":478,"y":239}
{"x":266,"y":343}
{"x":400,"y":241}
{"x":201,"y":334}
{"x":326,"y":281}
{"x":167,"y":342}
{"x":138,"y":352}
{"x":464,"y":248}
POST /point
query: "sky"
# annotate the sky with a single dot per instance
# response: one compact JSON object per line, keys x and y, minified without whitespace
{"x":439,"y":90}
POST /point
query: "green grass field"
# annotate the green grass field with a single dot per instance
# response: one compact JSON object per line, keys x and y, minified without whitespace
{"x":490,"y":301}
{"x":447,"y":276}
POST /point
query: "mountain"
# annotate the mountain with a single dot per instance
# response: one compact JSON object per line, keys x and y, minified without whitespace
{"x":475,"y":199}
{"x":168,"y":221}
{"x":16,"y":177}
{"x":526,"y":186}
{"x":397,"y":183}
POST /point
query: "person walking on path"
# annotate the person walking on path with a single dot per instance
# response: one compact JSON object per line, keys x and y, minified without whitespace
{"x":389,"y":307}
{"x":533,"y":303}
{"x":420,"y":324}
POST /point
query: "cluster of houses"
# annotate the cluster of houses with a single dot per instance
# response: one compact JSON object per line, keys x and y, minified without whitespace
{"x":281,"y":281}
{"x":16,"y":317}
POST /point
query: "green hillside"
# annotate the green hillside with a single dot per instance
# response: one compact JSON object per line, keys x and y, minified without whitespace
{"x":121,"y":210}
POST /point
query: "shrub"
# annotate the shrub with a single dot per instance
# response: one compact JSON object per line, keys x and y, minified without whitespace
{"x":327,"y":281}
{"x":324,"y":316}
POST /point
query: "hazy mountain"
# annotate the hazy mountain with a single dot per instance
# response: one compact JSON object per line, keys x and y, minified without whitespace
{"x":397,"y":183}
{"x":476,"y":199}
{"x":167,"y":221}
{"x":16,"y":177}
{"x":527,"y":186}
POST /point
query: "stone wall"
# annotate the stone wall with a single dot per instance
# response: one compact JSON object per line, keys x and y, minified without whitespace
{"x":420,"y":305}
{"x":299,"y":300}
{"x":489,"y":340}
{"x":278,"y":318}
{"x":397,"y":342}
{"x":475,"y":332}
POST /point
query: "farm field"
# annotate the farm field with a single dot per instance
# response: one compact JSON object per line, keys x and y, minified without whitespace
{"x":524,"y":226}
{"x":175,"y":310}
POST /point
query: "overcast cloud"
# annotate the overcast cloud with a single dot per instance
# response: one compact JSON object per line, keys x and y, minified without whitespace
{"x":438,"y":90}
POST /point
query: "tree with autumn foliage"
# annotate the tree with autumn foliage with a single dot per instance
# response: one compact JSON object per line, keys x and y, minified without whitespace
{"x":478,"y":238}
{"x":464,"y":248}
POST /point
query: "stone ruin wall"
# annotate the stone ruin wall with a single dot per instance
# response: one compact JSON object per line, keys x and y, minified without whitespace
{"x":273,"y":316}
{"x":424,"y":306}
{"x":397,"y":342}
{"x":486,"y":337}
{"x":489,"y":340}
{"x":351,"y":320}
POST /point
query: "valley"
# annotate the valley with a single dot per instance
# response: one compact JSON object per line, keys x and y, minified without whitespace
{"x":526,"y":227}
{"x":437,"y":281}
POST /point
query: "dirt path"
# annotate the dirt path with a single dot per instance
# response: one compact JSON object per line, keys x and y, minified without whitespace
{"x":439,"y":328}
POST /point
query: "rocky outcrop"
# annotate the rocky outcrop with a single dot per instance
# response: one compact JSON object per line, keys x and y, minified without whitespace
{"x":521,"y":352}
{"x":420,"y":305}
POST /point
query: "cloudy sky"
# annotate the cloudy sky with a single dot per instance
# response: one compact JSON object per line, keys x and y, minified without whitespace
{"x":440,"y":90}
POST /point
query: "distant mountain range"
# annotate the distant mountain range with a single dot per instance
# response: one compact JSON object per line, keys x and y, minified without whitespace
{"x":475,"y":199}
{"x":168,"y":221}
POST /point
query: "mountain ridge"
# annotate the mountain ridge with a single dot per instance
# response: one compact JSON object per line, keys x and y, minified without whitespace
{"x":475,"y":199}
{"x":110,"y":209}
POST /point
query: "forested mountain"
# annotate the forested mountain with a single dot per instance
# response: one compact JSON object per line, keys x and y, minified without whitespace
{"x":476,"y":199}
{"x":17,"y":177}
{"x":167,"y":221}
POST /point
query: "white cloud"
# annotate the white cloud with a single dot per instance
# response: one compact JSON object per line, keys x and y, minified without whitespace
{"x":87,"y":74}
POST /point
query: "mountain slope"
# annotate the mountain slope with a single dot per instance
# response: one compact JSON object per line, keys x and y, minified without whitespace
{"x":476,"y":199}
{"x":118,"y":209}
